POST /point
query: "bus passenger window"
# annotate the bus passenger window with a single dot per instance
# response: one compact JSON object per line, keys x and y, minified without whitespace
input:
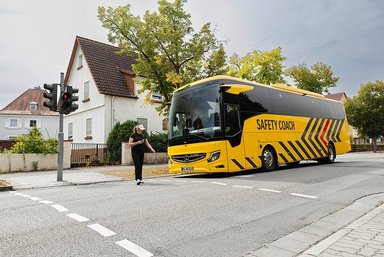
{"x":232,"y":120}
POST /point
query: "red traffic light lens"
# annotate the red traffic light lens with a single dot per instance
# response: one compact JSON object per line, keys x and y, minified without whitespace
{"x":66,"y":96}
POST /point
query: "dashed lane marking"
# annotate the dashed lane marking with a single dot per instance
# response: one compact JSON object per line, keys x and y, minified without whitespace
{"x":77,"y":217}
{"x":35,"y":198}
{"x":248,"y":187}
{"x":270,"y":190}
{"x":25,"y":195}
{"x":305,"y":196}
{"x":199,"y":181}
{"x":219,"y":183}
{"x":134,"y":248}
{"x":101,"y":230}
{"x":60,"y":208}
{"x":46,"y":202}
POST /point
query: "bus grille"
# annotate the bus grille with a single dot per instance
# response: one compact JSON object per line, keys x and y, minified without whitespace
{"x":185,"y":158}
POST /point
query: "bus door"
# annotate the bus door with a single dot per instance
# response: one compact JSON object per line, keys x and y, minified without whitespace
{"x":233,"y":134}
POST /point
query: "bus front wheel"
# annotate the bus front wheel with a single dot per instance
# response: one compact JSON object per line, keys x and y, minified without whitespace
{"x":331,"y":156}
{"x":269,"y":160}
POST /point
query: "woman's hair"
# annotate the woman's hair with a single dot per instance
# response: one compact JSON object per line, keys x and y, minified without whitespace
{"x":135,"y":128}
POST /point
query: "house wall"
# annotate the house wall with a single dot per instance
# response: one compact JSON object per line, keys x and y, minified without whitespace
{"x":48,"y":125}
{"x":104,"y":110}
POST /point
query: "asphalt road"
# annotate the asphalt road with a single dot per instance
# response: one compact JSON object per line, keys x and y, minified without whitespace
{"x":194,"y":215}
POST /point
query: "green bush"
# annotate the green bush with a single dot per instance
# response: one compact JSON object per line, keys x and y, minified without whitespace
{"x":120,"y":133}
{"x":34,"y":143}
{"x":159,"y":141}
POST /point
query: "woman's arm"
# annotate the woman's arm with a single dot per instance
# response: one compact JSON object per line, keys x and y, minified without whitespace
{"x":149,"y":146}
{"x":132,"y":144}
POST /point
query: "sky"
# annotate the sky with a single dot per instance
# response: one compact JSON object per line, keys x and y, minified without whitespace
{"x":37,"y":37}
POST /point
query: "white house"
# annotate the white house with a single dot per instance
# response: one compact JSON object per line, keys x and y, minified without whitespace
{"x":107,"y":93}
{"x":25,"y":112}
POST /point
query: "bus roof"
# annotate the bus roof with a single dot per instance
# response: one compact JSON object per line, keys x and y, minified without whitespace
{"x":281,"y":87}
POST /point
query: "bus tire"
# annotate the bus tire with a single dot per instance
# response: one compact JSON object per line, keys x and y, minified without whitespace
{"x":331,"y":155}
{"x":269,"y":160}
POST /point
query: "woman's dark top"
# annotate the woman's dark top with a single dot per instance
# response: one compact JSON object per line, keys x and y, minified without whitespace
{"x":140,"y":148}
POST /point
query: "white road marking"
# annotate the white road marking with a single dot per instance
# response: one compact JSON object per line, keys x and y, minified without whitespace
{"x":218,"y":183}
{"x":199,"y":181}
{"x":134,"y":248}
{"x":246,"y":176}
{"x":270,"y":190}
{"x":248,"y":187}
{"x":305,"y":196}
{"x":18,"y":193}
{"x":35,"y":198}
{"x":102,"y":230}
{"x":46,"y":202}
{"x":181,"y":181}
{"x":77,"y":217}
{"x":59,"y":208}
{"x":25,"y":195}
{"x":164,"y":180}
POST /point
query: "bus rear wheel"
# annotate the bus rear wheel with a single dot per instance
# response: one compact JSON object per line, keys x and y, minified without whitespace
{"x":269,"y":160}
{"x":331,"y":156}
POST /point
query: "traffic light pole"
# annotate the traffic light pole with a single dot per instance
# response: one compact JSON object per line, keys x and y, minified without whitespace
{"x":60,"y":136}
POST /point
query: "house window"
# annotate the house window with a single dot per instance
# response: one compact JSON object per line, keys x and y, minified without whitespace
{"x":88,"y":128}
{"x":70,"y":131}
{"x":13,"y":123}
{"x":143,"y":121}
{"x":80,"y":62}
{"x":86,"y":92}
{"x":33,"y":106}
{"x":32,"y":123}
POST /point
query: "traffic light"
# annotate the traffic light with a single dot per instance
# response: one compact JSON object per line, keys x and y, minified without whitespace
{"x":66,"y":100}
{"x":51,"y":95}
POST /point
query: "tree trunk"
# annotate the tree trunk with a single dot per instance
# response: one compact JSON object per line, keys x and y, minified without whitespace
{"x":374,"y":142}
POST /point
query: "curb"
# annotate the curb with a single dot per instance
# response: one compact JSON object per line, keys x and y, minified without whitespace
{"x":313,"y":238}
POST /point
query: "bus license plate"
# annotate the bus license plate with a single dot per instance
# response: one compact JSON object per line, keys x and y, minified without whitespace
{"x":186,"y":168}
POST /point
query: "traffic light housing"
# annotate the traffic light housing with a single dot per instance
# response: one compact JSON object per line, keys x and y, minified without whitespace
{"x":67,"y":100}
{"x":51,"y":95}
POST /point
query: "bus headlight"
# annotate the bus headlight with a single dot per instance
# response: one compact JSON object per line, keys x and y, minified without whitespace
{"x":214,"y":156}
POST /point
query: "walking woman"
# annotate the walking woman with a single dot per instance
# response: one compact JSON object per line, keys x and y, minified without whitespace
{"x":137,"y":142}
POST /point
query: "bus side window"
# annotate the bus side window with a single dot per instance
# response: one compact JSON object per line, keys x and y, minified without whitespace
{"x":232,"y":119}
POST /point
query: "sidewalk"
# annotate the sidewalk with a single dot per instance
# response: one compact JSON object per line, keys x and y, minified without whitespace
{"x":74,"y":176}
{"x":357,"y":230}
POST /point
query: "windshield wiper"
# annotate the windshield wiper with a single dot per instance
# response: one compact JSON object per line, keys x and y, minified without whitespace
{"x":198,"y":136}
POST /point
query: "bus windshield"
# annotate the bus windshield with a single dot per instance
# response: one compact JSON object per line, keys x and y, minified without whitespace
{"x":195,"y":114}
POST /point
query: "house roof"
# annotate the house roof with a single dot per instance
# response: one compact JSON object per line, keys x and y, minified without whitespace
{"x":336,"y":96}
{"x":110,"y":71}
{"x":21,"y":105}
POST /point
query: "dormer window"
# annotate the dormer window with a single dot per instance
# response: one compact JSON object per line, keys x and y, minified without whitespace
{"x":33,"y":106}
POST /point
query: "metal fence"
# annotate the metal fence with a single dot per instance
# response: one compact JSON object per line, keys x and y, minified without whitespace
{"x":86,"y":154}
{"x":6,"y":144}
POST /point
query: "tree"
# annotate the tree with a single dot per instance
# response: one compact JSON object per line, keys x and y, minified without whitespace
{"x":365,"y":111}
{"x":261,"y":66}
{"x":318,"y":79}
{"x":169,"y":52}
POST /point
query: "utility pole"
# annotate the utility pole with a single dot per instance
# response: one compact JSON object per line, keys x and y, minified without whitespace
{"x":60,"y":135}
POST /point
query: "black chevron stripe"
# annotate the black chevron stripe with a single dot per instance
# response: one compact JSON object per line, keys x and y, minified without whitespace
{"x":304,"y":135}
{"x":283,"y":157}
{"x":237,"y":163}
{"x":317,"y":138}
{"x":312,"y":134}
{"x":251,"y":162}
{"x":288,"y":152}
{"x":330,"y":130}
{"x":335,"y":130}
{"x":339,"y":131}
{"x":303,"y":149}
{"x":295,"y":149}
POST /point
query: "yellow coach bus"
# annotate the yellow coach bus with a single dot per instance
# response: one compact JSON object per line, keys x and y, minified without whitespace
{"x":226,"y":124}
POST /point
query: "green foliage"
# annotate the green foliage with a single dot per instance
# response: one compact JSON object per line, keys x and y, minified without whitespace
{"x":34,"y":143}
{"x":159,"y":141}
{"x":120,"y":133}
{"x":261,"y":66}
{"x":169,"y":52}
{"x":365,"y":111}
{"x":318,"y":79}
